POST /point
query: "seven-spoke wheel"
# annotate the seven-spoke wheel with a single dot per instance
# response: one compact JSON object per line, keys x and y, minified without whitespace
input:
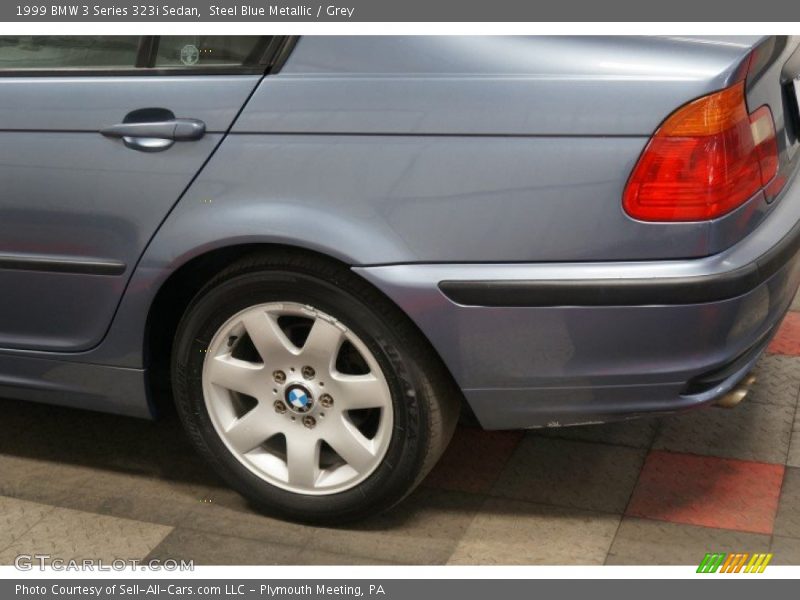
{"x":307,"y":390}
{"x":270,"y":378}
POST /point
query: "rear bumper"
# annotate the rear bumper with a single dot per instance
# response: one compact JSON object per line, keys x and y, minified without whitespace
{"x":628,"y":291}
{"x":534,"y":345}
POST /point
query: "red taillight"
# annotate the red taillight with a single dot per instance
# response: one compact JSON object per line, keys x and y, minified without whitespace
{"x":706,"y":159}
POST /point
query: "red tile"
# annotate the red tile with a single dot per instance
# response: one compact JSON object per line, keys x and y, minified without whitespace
{"x":473,"y":460}
{"x":709,"y":491}
{"x":787,"y":340}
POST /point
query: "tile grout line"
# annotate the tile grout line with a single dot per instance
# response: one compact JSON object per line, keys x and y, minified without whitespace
{"x":496,"y":479}
{"x":598,"y":442}
{"x":495,"y":495}
{"x":657,"y":431}
{"x":791,"y":436}
{"x":667,"y":521}
{"x":785,"y":466}
{"x":485,"y":499}
{"x":486,"y":496}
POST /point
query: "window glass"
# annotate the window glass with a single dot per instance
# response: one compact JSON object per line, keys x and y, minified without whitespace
{"x":208,"y":50}
{"x":68,"y":51}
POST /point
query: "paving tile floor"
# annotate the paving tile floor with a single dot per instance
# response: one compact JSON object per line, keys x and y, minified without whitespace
{"x":647,"y":491}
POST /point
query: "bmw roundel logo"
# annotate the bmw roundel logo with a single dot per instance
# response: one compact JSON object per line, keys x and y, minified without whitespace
{"x":299,"y":399}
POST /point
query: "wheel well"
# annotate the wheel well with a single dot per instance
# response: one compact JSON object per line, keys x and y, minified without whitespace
{"x":178,"y":291}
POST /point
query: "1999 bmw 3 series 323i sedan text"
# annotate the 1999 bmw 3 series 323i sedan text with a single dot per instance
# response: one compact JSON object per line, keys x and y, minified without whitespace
{"x":329,"y":245}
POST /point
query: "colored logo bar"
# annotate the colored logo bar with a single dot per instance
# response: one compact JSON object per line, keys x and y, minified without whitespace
{"x":740,"y":562}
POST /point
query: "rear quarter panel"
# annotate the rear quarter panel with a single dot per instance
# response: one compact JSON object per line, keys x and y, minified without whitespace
{"x":443,"y":149}
{"x":477,"y":148}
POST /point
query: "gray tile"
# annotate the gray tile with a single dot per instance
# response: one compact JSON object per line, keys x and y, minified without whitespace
{"x":751,"y":431}
{"x":507,"y":532}
{"x":424,"y":529}
{"x":787,"y":523}
{"x":573,"y":474}
{"x":211,"y":549}
{"x":473,"y":460}
{"x":644,"y":542}
{"x":145,"y":470}
{"x":320,"y":557}
{"x":137,"y":496}
{"x":82,"y":438}
{"x":225,"y":512}
{"x":37,"y":480}
{"x":786,"y":551}
{"x":75,"y":535}
{"x":17,"y":517}
{"x":777,"y":380}
{"x":637,"y":433}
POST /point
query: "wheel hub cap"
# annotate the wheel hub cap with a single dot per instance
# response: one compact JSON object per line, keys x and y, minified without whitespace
{"x":299,"y":399}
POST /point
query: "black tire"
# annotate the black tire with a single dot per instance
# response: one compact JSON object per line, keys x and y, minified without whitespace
{"x":425,"y":402}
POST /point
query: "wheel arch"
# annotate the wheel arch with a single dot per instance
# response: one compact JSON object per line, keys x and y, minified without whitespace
{"x":184,"y":282}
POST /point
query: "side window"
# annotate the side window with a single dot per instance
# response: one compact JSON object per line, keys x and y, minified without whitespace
{"x":68,"y":52}
{"x":96,"y":54}
{"x":209,"y":50}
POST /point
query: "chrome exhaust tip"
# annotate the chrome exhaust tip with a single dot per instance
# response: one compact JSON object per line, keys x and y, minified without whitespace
{"x":737,"y":394}
{"x":733,"y":397}
{"x":749,"y":380}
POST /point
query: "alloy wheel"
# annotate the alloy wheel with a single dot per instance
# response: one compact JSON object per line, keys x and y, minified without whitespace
{"x":297,"y":398}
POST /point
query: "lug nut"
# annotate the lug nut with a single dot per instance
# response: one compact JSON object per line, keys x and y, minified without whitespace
{"x":279,"y":376}
{"x":280,"y":407}
{"x":326,"y":400}
{"x":308,"y":372}
{"x":309,"y":422}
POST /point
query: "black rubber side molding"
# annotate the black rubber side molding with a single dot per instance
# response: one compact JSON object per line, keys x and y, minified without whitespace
{"x":627,"y":292}
{"x":55,"y":264}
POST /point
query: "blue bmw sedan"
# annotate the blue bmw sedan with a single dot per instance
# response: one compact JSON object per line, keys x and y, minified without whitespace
{"x":330,"y":247}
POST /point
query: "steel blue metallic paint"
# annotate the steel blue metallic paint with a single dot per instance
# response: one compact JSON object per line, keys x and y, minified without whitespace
{"x":68,"y":383}
{"x":90,"y":103}
{"x":70,"y":192}
{"x":415,"y":160}
{"x":488,"y":85}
